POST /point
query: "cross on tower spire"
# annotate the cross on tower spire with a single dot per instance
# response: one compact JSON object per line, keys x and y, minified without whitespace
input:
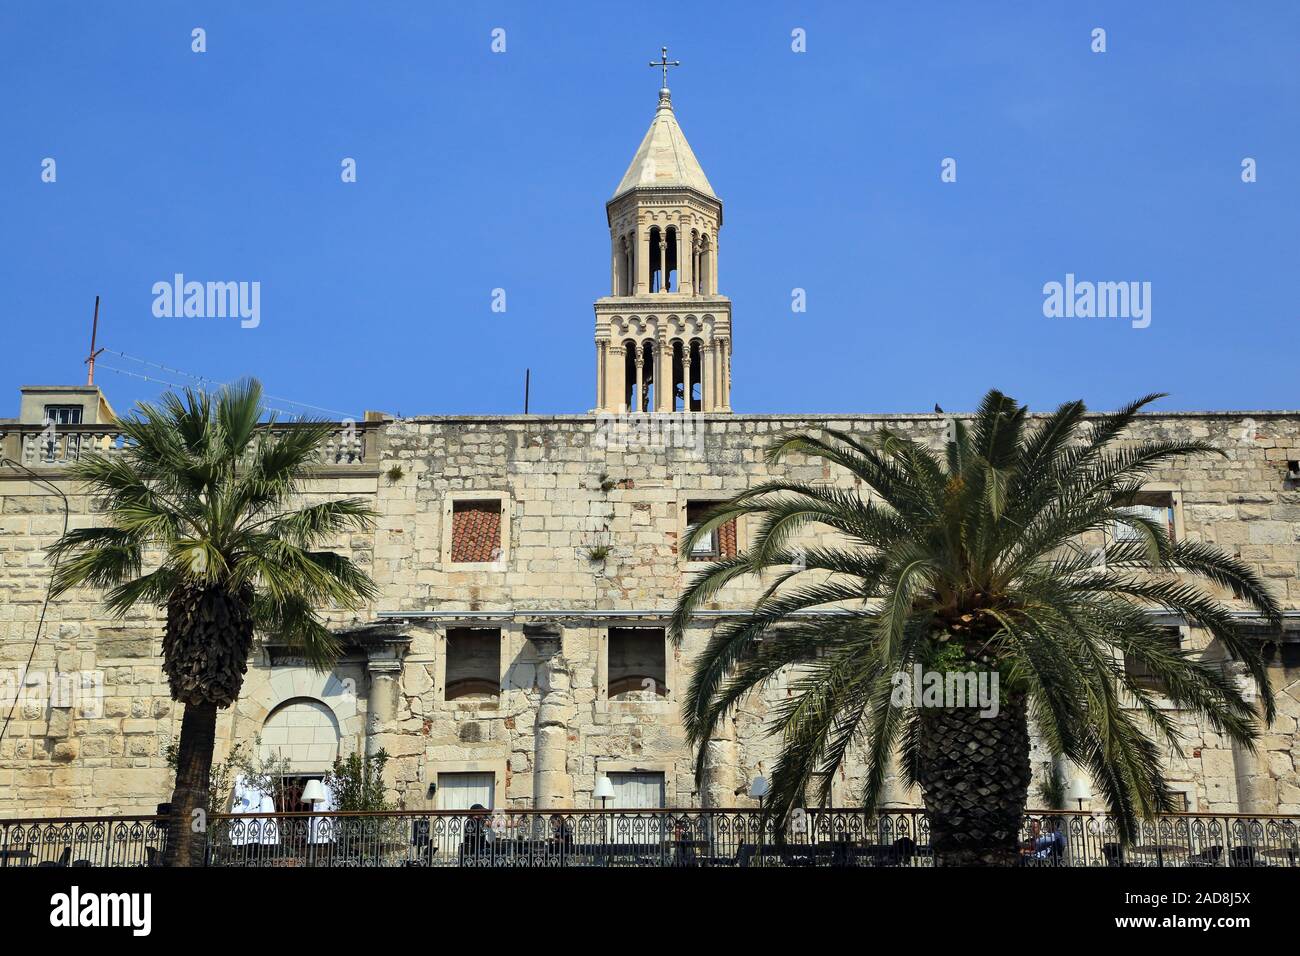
{"x":664,"y":63}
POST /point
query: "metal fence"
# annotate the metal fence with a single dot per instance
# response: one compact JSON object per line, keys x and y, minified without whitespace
{"x":82,"y":841}
{"x":640,"y":838}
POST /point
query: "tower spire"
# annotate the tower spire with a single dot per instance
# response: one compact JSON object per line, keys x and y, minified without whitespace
{"x":664,"y":63}
{"x":663,"y":334}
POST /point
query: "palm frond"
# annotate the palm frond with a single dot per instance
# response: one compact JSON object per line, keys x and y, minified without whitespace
{"x":982,"y":551}
{"x":204,"y":481}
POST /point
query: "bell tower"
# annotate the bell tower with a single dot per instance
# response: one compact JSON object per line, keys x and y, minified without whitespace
{"x":663,"y":334}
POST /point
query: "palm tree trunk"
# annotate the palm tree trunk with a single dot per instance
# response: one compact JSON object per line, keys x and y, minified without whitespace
{"x":974,"y":775}
{"x":205,"y":655}
{"x":186,"y":838}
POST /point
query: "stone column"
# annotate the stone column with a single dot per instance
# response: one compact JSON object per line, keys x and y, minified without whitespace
{"x":639,"y":398}
{"x":892,"y":792}
{"x":601,"y":353}
{"x":726,"y":373}
{"x":686,"y":263}
{"x":650,"y":405}
{"x":724,"y":382}
{"x":713,"y":267}
{"x":381,"y":704}
{"x":1256,"y":791}
{"x":616,"y":374}
{"x":663,"y":374}
{"x":708,"y":377}
{"x":552,"y":784}
{"x":642,"y":256}
{"x":686,"y":375}
{"x":663,"y":259}
{"x":722,"y":775}
{"x":719,"y":385}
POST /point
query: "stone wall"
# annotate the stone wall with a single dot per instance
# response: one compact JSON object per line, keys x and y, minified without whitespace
{"x":564,"y":488}
{"x":109,"y":756}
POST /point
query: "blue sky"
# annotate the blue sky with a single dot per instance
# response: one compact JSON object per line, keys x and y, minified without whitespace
{"x":479,"y":171}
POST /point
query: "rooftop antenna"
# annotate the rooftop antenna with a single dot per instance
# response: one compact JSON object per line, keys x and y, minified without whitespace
{"x":90,"y":359}
{"x":527,"y":375}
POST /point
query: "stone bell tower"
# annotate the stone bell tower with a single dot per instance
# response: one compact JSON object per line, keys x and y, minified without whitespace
{"x":663,"y":334}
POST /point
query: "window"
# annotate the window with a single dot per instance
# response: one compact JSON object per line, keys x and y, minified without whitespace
{"x":473,"y":663}
{"x":636,"y":667}
{"x":1283,"y":654}
{"x":637,"y":790}
{"x":1157,"y":506}
{"x":460,"y":791}
{"x":1181,"y":804}
{"x":1137,"y":670}
{"x":718,"y":543}
{"x":464,"y":790}
{"x":64,"y":414}
{"x":476,"y":531}
{"x":288,"y":792}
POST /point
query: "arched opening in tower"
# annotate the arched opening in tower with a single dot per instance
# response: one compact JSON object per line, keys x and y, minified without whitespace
{"x":648,"y":376}
{"x":703,"y":270}
{"x":679,"y":390}
{"x":630,"y":396}
{"x":664,"y":276}
{"x":654,"y":258}
{"x":696,"y":389}
{"x":623,"y":267}
{"x":672,"y":276}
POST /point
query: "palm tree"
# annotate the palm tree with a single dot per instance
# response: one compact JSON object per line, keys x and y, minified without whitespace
{"x":206,"y":498}
{"x":974,"y":561}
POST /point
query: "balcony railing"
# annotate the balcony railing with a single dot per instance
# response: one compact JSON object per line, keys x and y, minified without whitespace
{"x":82,"y":841}
{"x":648,"y":838}
{"x":36,"y":446}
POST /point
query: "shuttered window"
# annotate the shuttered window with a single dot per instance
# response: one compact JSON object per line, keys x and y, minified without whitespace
{"x":1139,"y":671}
{"x":460,"y":791}
{"x":633,"y":791}
{"x":638,"y":790}
{"x":1154,"y":506}
{"x":718,"y":543}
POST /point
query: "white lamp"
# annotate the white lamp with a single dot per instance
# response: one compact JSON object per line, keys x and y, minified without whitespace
{"x":313,"y":793}
{"x":604,"y":790}
{"x":758,"y":788}
{"x":1081,"y":790}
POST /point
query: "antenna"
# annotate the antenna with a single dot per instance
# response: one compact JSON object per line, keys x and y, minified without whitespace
{"x":90,"y":359}
{"x":527,"y":376}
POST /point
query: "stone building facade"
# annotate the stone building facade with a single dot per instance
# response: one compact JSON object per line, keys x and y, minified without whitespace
{"x":527,"y":566}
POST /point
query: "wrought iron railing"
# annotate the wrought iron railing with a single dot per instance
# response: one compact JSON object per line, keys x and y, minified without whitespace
{"x":647,"y":838}
{"x":82,"y":841}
